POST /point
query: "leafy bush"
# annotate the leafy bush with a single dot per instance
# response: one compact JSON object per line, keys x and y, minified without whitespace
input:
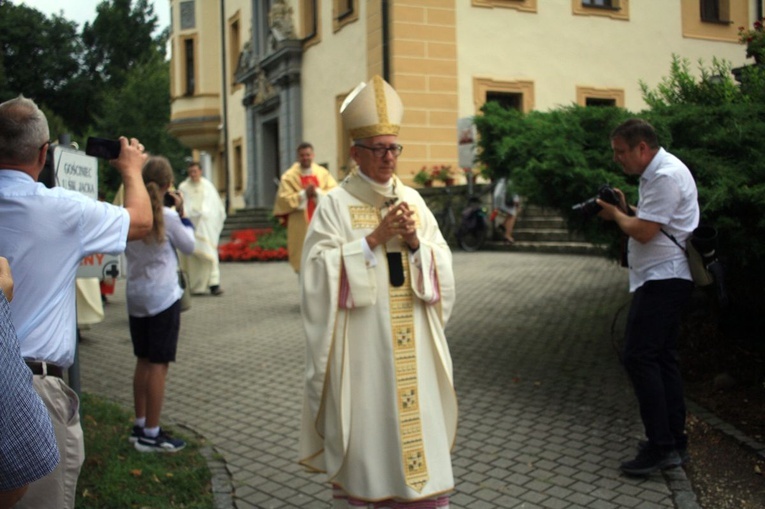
{"x":555,"y":159}
{"x":274,"y":239}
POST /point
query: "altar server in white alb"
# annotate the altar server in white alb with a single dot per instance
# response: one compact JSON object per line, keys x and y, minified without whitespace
{"x":207,"y":212}
{"x":380,"y":411}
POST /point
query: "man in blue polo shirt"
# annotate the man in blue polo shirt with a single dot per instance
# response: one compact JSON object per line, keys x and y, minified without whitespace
{"x":44,"y":234}
{"x":661,"y":282}
{"x":27,"y":443}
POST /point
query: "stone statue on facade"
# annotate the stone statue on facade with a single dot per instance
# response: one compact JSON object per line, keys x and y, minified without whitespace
{"x":263,"y":89}
{"x":246,"y":59}
{"x":280,"y":23}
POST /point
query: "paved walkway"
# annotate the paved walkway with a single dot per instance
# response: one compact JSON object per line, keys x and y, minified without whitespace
{"x":546,"y":412}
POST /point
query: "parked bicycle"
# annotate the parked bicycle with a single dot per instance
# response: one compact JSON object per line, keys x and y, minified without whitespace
{"x":474,"y":227}
{"x":472,"y":230}
{"x":447,"y":222}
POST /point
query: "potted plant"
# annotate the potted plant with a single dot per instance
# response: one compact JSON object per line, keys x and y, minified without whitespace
{"x":443,"y":173}
{"x":423,"y":177}
{"x":754,"y":39}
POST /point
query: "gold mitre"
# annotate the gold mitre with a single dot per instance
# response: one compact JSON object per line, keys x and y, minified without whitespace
{"x":372,"y":109}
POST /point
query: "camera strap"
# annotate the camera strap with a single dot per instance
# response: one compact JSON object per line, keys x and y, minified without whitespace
{"x":673,"y":239}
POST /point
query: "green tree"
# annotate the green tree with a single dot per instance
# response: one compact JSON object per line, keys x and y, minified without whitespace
{"x":556,"y":159}
{"x":111,"y":80}
{"x":38,"y":57}
{"x":141,"y":109}
{"x":120,"y":38}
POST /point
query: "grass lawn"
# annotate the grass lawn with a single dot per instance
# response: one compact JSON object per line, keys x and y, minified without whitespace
{"x":115,"y":475}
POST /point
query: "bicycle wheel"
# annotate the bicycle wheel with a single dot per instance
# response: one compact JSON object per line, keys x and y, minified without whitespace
{"x":446,"y":222}
{"x":473,"y":239}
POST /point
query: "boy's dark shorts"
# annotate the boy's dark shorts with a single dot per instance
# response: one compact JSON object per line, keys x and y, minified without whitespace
{"x":156,"y":337}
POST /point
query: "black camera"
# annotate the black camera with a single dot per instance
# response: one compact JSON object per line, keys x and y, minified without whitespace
{"x":169,"y":201}
{"x":589,"y":208}
{"x":103,"y":148}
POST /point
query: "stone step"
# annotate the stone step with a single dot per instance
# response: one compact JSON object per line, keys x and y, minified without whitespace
{"x":584,"y":248}
{"x":247,"y":218}
{"x":540,"y":222}
{"x":537,"y":211}
{"x":544,"y":235}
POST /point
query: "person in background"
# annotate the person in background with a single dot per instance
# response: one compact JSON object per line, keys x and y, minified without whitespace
{"x":508,"y":208}
{"x":153,"y":302}
{"x":380,"y":412}
{"x":28,"y":448}
{"x":661,"y":284}
{"x":45,"y":233}
{"x":300,"y":189}
{"x":90,"y":302}
{"x":206,"y":210}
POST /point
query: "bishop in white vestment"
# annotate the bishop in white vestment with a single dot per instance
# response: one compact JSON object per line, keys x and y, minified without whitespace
{"x":380,"y":411}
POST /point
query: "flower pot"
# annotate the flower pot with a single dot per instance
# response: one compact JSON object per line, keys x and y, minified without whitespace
{"x":428,"y":183}
{"x":449,"y":182}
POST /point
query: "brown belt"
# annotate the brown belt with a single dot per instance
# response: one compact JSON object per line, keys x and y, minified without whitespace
{"x":45,"y":368}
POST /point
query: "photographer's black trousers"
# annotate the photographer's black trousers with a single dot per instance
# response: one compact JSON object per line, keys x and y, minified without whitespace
{"x":651,"y":361}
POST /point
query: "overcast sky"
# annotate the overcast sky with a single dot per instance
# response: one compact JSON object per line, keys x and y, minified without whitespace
{"x":81,"y":11}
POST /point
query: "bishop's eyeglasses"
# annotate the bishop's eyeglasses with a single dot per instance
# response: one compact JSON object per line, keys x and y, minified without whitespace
{"x":380,"y":152}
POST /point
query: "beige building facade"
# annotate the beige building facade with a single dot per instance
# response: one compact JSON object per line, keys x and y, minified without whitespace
{"x":298,"y":59}
{"x":207,"y":39}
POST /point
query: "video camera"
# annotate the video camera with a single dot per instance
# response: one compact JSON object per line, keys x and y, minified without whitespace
{"x":590,"y":208}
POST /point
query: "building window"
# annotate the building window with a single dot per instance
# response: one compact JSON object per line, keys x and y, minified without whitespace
{"x":520,"y":5}
{"x":590,"y":96}
{"x":712,"y":20}
{"x":510,"y":94}
{"x":188,"y":60}
{"x":614,"y":9}
{"x":238,"y":166}
{"x":715,"y":11}
{"x":508,"y":100}
{"x":344,"y":12}
{"x":610,"y":4}
{"x":188,"y":15}
{"x":234,"y":48}
{"x":309,"y":15}
{"x":597,"y":101}
{"x":344,"y":8}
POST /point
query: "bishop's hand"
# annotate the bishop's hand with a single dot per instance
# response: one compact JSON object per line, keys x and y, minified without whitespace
{"x":398,"y":221}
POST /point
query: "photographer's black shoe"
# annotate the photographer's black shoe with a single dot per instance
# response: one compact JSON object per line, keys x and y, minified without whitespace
{"x":651,"y":459}
{"x":681,"y":451}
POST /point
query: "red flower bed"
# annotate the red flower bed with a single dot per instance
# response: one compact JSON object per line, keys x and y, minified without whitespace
{"x":244,"y":248}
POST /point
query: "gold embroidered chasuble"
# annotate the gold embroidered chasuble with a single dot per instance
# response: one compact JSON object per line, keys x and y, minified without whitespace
{"x":288,"y":204}
{"x":380,"y":411}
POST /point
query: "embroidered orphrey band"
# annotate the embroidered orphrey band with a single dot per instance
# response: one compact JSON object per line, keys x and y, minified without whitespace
{"x":363,"y":217}
{"x":405,"y":361}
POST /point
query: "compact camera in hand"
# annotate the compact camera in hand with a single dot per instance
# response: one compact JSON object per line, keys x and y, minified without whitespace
{"x":103,"y":148}
{"x":590,"y":208}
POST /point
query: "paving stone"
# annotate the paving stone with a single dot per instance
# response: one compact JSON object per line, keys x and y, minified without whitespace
{"x":555,"y":503}
{"x":546,"y":411}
